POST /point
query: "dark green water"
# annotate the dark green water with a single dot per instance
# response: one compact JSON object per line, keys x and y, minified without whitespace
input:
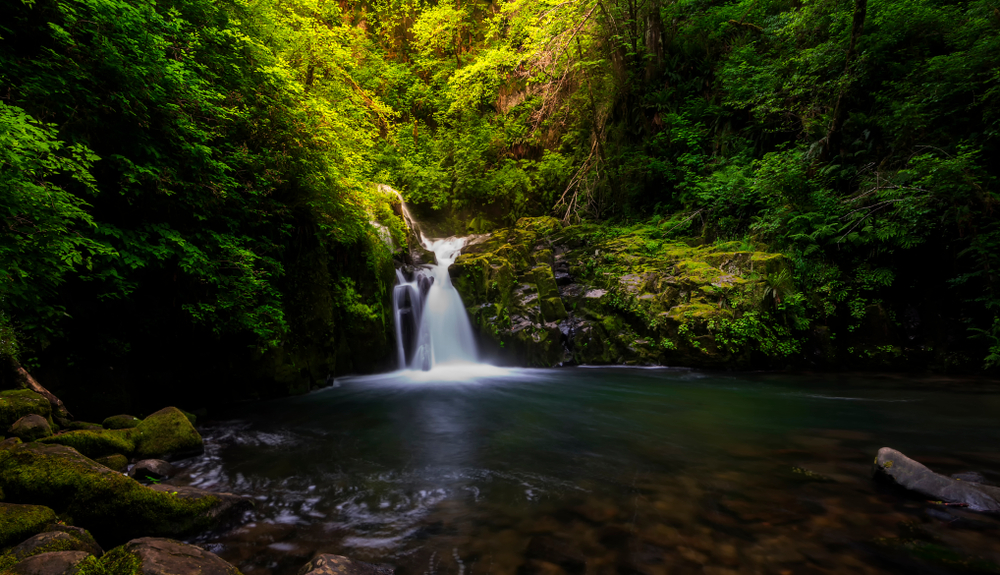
{"x":604,"y":471}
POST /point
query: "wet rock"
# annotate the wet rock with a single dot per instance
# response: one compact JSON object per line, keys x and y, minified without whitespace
{"x":558,"y":551}
{"x":54,"y":563}
{"x":896,"y":469}
{"x":971,"y":477}
{"x":160,"y":556}
{"x":151,"y":469}
{"x":116,"y":462}
{"x":121,"y":422}
{"x":10,"y":442}
{"x":18,"y":522}
{"x":15,"y":404}
{"x":167,"y":434}
{"x":30,"y":428}
{"x":328,"y":564}
{"x":53,"y":541}
{"x":114,"y":507}
{"x":224,"y":509}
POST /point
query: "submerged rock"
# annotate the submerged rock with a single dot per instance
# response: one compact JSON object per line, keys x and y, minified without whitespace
{"x":113,"y":507}
{"x":893,"y":467}
{"x":53,"y":563}
{"x":31,"y":427}
{"x":158,"y":556}
{"x":18,"y":522}
{"x":328,"y":564}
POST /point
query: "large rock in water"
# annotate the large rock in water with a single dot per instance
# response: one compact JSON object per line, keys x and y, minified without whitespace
{"x":895,"y":468}
{"x":113,"y":507}
{"x":329,"y":564}
{"x":168,"y":557}
{"x":167,"y":434}
{"x":18,"y":522}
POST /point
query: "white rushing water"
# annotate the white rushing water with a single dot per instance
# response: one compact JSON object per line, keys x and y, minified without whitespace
{"x":433,"y":332}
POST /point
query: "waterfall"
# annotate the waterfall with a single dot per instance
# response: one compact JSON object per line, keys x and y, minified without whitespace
{"x":432,"y":326}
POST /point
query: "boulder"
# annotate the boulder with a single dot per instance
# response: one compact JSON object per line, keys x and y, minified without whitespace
{"x":50,"y":541}
{"x":121,"y":422}
{"x":18,"y":522}
{"x":896,"y":469}
{"x":328,"y":564}
{"x":89,"y":543}
{"x":53,"y":563}
{"x":15,"y":404}
{"x":116,"y":462}
{"x":167,"y":434}
{"x":168,"y":557}
{"x":227,"y":509}
{"x":78,"y":425}
{"x":10,"y":442}
{"x":31,"y":427}
{"x":114,"y":507}
{"x":95,"y":443}
{"x":151,"y":469}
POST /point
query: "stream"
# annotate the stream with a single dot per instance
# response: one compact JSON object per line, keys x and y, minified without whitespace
{"x":602,"y":470}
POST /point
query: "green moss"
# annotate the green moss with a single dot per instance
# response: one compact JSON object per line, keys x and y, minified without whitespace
{"x":78,"y":425}
{"x":191,"y":417}
{"x":167,"y":432}
{"x":15,"y":404}
{"x":96,"y":443}
{"x":18,"y":522}
{"x":118,"y":561}
{"x":112,"y":506}
{"x":116,"y":462}
{"x":553,"y":309}
{"x":121,"y":422}
{"x":540,"y":225}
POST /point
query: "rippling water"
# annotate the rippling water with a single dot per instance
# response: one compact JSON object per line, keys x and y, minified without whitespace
{"x":603,"y":471}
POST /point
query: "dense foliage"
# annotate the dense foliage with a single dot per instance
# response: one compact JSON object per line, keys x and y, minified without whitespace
{"x":194,"y":179}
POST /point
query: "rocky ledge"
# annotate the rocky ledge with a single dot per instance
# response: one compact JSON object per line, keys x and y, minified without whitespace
{"x":544,"y":294}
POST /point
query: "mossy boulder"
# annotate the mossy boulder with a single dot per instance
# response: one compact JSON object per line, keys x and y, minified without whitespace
{"x":50,"y":541}
{"x":78,"y":425}
{"x":167,"y":434}
{"x":112,"y":506}
{"x":121,"y":422}
{"x":116,"y":462}
{"x":95,"y":443}
{"x":18,"y":522}
{"x":30,"y":428}
{"x":16,"y":403}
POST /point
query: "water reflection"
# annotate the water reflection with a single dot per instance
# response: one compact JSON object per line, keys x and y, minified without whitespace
{"x":597,"y":471}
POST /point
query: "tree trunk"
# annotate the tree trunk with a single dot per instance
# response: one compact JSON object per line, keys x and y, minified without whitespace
{"x":24,"y":380}
{"x":833,"y":136}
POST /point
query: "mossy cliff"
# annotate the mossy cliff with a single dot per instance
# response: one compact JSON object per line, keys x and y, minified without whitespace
{"x":544,"y":294}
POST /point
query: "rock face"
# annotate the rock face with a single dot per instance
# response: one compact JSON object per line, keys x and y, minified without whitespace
{"x":31,"y":427}
{"x":54,"y":563}
{"x":113,"y":507}
{"x":168,"y":557}
{"x":545,"y":294}
{"x":167,"y":434}
{"x":18,"y":522}
{"x":893,"y":467}
{"x":151,"y":469}
{"x":15,"y":404}
{"x":328,"y":564}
